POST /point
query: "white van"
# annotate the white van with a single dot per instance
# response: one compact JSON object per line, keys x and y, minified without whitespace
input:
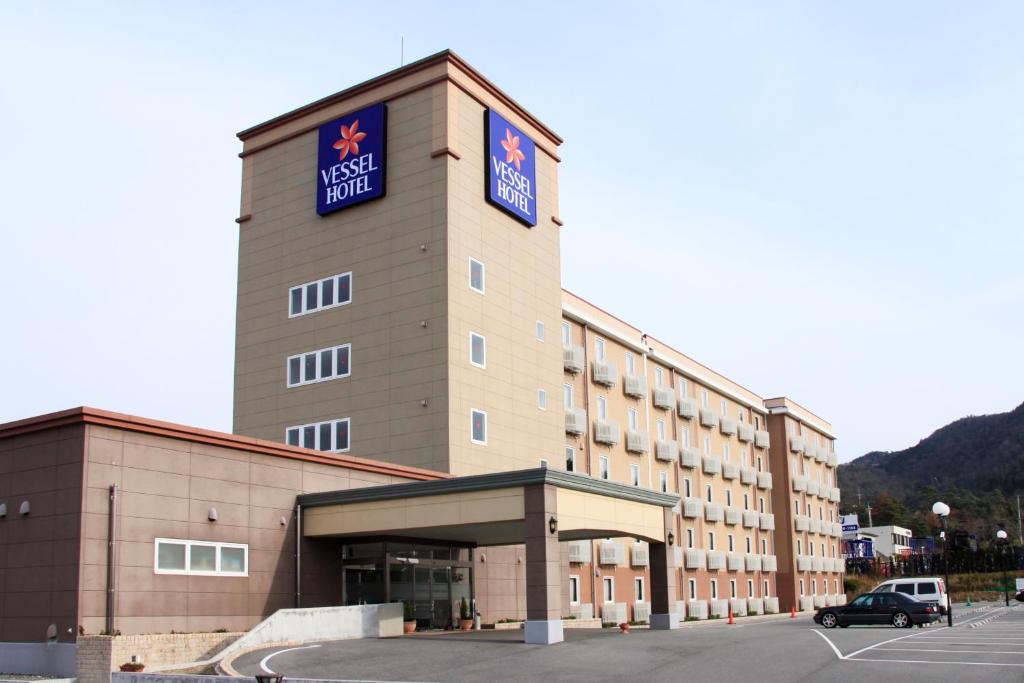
{"x":924,"y":588}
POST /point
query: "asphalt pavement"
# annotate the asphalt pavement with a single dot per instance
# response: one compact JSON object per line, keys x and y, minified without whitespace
{"x":987,"y":644}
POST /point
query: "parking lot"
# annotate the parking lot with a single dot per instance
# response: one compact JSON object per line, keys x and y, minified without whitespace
{"x":987,"y":644}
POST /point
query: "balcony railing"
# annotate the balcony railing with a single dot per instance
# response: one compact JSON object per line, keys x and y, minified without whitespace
{"x":713,"y":512}
{"x":769,"y":563}
{"x":716,"y":560}
{"x":764,"y":480}
{"x":734,"y":561}
{"x":694,"y":558}
{"x":635,"y":386}
{"x":746,"y":432}
{"x":796,"y":444}
{"x":612,"y":553}
{"x":579,"y":551}
{"x":664,"y":398}
{"x":751,"y":519}
{"x":733,"y":516}
{"x":640,"y":556}
{"x":753,"y":562}
{"x":767,"y":521}
{"x":604,"y":373}
{"x":748,"y":475}
{"x":692,"y":507}
{"x":572,"y":359}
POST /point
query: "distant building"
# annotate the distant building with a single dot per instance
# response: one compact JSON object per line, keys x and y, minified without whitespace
{"x":889,"y":541}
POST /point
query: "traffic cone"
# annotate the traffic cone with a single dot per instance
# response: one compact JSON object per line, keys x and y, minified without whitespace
{"x":730,"y":614}
{"x":792,"y":612}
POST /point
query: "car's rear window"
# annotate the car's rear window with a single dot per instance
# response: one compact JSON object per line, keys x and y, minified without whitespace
{"x":907,"y":588}
{"x":927,"y":588}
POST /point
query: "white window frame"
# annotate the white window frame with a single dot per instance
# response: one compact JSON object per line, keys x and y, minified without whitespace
{"x":634,"y":474}
{"x":301,"y":429}
{"x":686,"y":437}
{"x":630,"y":364}
{"x":540,"y":330}
{"x":711,"y":540}
{"x":542,"y":399}
{"x":663,"y":480}
{"x":218,"y":545}
{"x":661,"y":430}
{"x":639,"y":589}
{"x":725,"y":408}
{"x":608,"y":589}
{"x":732,"y":543}
{"x":714,"y":589}
{"x":750,"y":588}
{"x":567,"y":395}
{"x":483,"y":364}
{"x":306,"y":309}
{"x":732,"y":588}
{"x":767,"y":593}
{"x":707,"y":445}
{"x":725,"y":452}
{"x":602,"y":408}
{"x":483,"y":276}
{"x":318,"y":353}
{"x":709,"y":493}
{"x":659,"y":376}
{"x":682,"y":387}
{"x":689,"y":539}
{"x":693,"y":588}
{"x":634,"y":419}
{"x":604,"y":470}
{"x":570,"y":457}
{"x":688,"y":487}
{"x":728,"y":497}
{"x":599,"y":349}
{"x":574,"y":589}
{"x":802,"y":593}
{"x":704,"y":398}
{"x":473,"y":411}
{"x":566,"y":334}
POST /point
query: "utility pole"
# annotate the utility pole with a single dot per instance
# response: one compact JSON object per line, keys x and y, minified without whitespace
{"x":870,"y":523}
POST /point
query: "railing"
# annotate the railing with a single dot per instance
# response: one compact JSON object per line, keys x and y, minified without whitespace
{"x":961,"y":561}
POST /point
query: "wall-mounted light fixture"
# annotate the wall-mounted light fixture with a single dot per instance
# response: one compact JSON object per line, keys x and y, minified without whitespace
{"x":3,"y":510}
{"x":25,"y":508}
{"x":671,"y":538}
{"x":553,"y":524}
{"x":211,"y":514}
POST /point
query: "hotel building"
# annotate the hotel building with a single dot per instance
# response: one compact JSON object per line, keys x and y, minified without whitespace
{"x":422,"y":413}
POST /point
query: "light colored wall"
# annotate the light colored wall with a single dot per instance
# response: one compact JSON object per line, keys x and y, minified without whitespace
{"x":523,"y":286}
{"x":397,"y":321}
{"x":99,"y":655}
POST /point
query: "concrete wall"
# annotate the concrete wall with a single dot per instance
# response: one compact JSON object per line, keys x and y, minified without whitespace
{"x":39,"y":551}
{"x":41,"y":659}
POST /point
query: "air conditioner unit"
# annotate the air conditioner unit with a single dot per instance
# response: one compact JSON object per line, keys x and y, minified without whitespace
{"x":606,"y":432}
{"x":664,"y":398}
{"x":761,"y":439}
{"x":727,"y":425}
{"x":746,"y":432}
{"x":572,"y":359}
{"x":712,"y":465}
{"x":767,"y":521}
{"x":640,"y":556}
{"x":612,"y":553}
{"x":748,"y":475}
{"x":638,"y":442}
{"x":692,"y":507}
{"x":666,"y":451}
{"x":713,"y":513}
{"x":708,"y":418}
{"x":635,"y":386}
{"x":734,"y":562}
{"x":605,"y":373}
{"x":579,"y":551}
{"x":687,"y":408}
{"x":764,"y":480}
{"x":575,"y":421}
{"x":730,"y":470}
{"x":690,"y":457}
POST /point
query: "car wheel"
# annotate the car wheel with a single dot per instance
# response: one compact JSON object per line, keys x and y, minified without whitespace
{"x":901,"y":620}
{"x":828,"y":620}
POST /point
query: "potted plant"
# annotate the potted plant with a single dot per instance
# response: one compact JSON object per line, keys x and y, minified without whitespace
{"x":133,"y":667}
{"x":409,"y":623}
{"x":466,"y":619}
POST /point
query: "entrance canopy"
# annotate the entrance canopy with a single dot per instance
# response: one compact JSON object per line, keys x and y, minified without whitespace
{"x":490,"y":509}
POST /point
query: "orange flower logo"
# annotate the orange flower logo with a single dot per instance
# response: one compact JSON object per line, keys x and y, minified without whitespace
{"x":350,"y":139}
{"x":513,"y":155}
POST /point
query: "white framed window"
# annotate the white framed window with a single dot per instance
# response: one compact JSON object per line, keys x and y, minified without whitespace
{"x":796,"y":506}
{"x":638,"y":588}
{"x":764,"y":546}
{"x":630,"y":364}
{"x":728,"y":497}
{"x":567,"y":395}
{"x":802,"y":587}
{"x":732,"y":588}
{"x":799,"y":547}
{"x":835,"y":585}
{"x":711,"y":540}
{"x":704,"y":398}
{"x":750,"y":588}
{"x":574,"y":589}
{"x":760,"y":503}
{"x":742,"y":412}
{"x":634,"y":474}
{"x":682,"y":387}
{"x":725,"y":408}
{"x":814,"y":586}
{"x":540,"y":331}
{"x":686,"y":437}
{"x":599,"y":350}
{"x":311,"y":297}
{"x":725,"y":452}
{"x":708,"y":493}
{"x":566,"y":334}
{"x":746,"y":501}
{"x":714,"y":589}
{"x":689,"y":538}
{"x":609,"y":588}
{"x":602,"y":408}
{"x":661,"y":430}
{"x":200,"y":558}
{"x":707,"y":445}
{"x":542,"y":399}
{"x":810,"y":548}
{"x":748,"y":544}
{"x":687,"y":487}
{"x":693,"y":588}
{"x":477,"y":276}
{"x":477,"y":350}
{"x":634,"y":419}
{"x":732,"y":543}
{"x":757,"y":422}
{"x":321,"y":365}
{"x":332,"y":435}
{"x":766,"y":592}
{"x":478,"y":427}
{"x":659,"y":376}
{"x":663,"y":480}
{"x":570,"y":459}
{"x":603,"y":466}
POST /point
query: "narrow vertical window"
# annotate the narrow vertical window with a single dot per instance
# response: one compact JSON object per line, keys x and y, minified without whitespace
{"x":688,"y":487}
{"x":574,"y":590}
{"x":295,"y":299}
{"x":686,"y":437}
{"x":663,"y":479}
{"x":661,"y":430}
{"x":728,"y":497}
{"x":714,"y":589}
{"x":602,"y":408}
{"x":750,"y":588}
{"x":609,"y":589}
{"x":634,"y":474}
{"x":341,"y":435}
{"x":477,"y":350}
{"x":725,"y":452}
{"x":708,"y":493}
{"x":659,"y":376}
{"x":630,"y":364}
{"x":707,"y":445}
{"x":567,"y":395}
{"x":542,"y":399}
{"x":634,"y":419}
{"x":570,"y":459}
{"x":732,"y":543}
{"x":711,"y":540}
{"x":693,"y":589}
{"x":540,"y":331}
{"x":603,"y":465}
{"x":638,"y":586}
{"x":682,"y":387}
{"x":689,"y":538}
{"x":566,"y":334}
{"x":478,"y":420}
{"x":599,"y":348}
{"x":476,"y":276}
{"x":725,"y":408}
{"x":732,"y":588}
{"x":704,"y":398}
{"x":293,"y":436}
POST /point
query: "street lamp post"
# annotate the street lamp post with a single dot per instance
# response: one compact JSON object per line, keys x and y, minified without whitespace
{"x":1002,"y":541}
{"x":941,"y":510}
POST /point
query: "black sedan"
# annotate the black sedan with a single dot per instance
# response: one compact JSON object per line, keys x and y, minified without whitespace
{"x":902,"y":611}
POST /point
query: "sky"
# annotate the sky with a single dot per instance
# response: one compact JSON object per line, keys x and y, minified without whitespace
{"x":818,"y":200}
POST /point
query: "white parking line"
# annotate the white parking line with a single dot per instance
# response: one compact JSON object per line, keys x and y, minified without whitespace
{"x":926,"y":661}
{"x":263,"y":662}
{"x":914,"y":649}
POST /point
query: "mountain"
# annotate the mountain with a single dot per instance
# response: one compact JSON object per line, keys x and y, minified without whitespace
{"x":975,"y":464}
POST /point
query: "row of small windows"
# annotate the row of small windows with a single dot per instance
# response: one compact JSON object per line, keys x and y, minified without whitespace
{"x":200,"y":558}
{"x":332,"y":435}
{"x":732,"y":589}
{"x":824,"y":586}
{"x":729,"y":538}
{"x":316,"y":296}
{"x":320,"y":366}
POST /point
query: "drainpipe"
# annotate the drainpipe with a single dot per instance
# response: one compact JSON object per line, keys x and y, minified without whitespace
{"x":586,"y":399}
{"x":647,"y":417}
{"x":298,"y":555}
{"x":111,"y":557}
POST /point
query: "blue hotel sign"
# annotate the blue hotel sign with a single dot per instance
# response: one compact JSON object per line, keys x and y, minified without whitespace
{"x":511,"y":174}
{"x":351,"y":161}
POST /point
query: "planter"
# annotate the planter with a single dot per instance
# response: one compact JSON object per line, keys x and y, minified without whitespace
{"x":409,"y":626}
{"x":133,"y":668}
{"x":624,"y":627}
{"x":466,"y":624}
